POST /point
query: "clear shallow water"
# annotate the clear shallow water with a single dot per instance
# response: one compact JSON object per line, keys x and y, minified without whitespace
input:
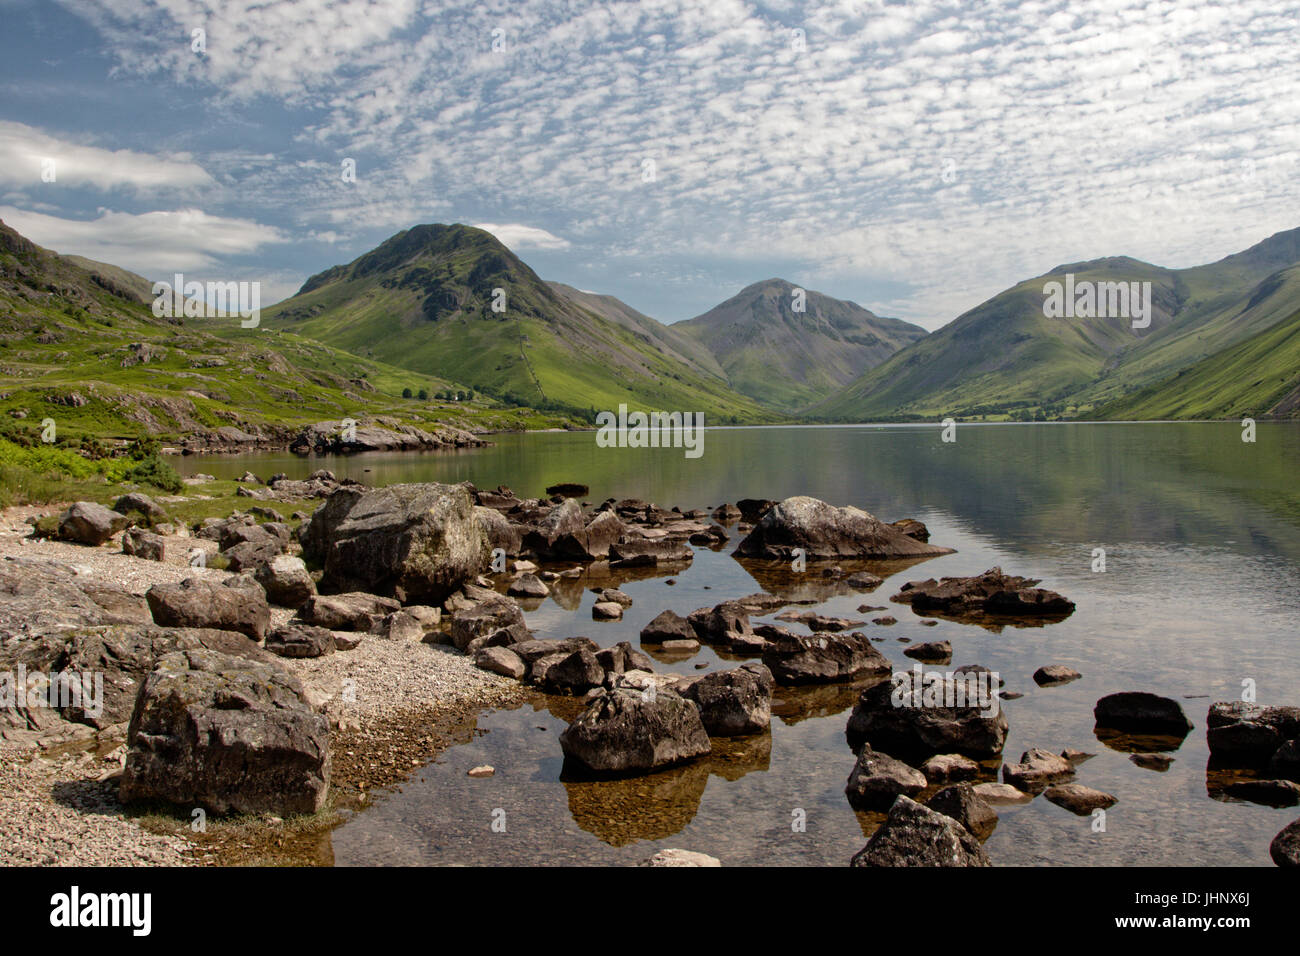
{"x":1202,"y":539}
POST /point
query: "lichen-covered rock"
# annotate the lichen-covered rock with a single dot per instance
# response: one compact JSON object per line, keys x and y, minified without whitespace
{"x":416,"y":542}
{"x":628,"y":731}
{"x":735,"y":702}
{"x":86,"y":522}
{"x":913,"y":835}
{"x":235,"y":605}
{"x":227,"y":734}
{"x":820,"y":658}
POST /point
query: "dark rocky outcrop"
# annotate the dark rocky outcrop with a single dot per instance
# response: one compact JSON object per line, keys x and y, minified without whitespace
{"x":1250,"y":735}
{"x":1141,"y":712}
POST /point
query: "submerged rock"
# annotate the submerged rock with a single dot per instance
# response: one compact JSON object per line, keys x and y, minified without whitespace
{"x":1079,"y":799}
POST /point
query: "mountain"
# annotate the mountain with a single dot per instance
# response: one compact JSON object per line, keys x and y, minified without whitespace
{"x":1006,"y":358}
{"x":1258,"y":377}
{"x":78,"y":344}
{"x":788,"y":359}
{"x":452,"y":300}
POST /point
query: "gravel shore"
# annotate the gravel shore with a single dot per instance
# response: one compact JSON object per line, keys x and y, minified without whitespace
{"x":392,"y":705}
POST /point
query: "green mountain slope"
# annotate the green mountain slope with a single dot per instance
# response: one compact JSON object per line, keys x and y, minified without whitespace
{"x":1259,"y":378}
{"x":423,"y":300}
{"x":787,"y":359}
{"x":1005,"y":358}
{"x":81,"y":347}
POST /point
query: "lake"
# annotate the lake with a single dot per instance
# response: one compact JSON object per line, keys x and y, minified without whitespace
{"x":1201,"y":592}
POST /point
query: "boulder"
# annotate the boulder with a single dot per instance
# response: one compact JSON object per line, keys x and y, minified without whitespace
{"x":621,"y":658}
{"x":734,"y":703}
{"x":963,"y":804}
{"x":228,"y":734}
{"x":573,"y":674}
{"x":499,"y":531}
{"x":528,"y":585}
{"x":913,"y":835}
{"x":1036,"y":770}
{"x":500,"y":660}
{"x":821,"y":658}
{"x":674,"y":857}
{"x":992,"y":592}
{"x":943,"y":768}
{"x":726,"y":623}
{"x":86,"y":522}
{"x":1285,"y":848}
{"x":1078,"y":799}
{"x":932,"y":652}
{"x":300,"y":640}
{"x":921,"y":715}
{"x":399,"y":626}
{"x":877,"y":779}
{"x":199,"y":602}
{"x":355,"y":611}
{"x":141,"y":504}
{"x":826,"y":532}
{"x":752,"y":509}
{"x":649,"y":552}
{"x":144,"y":544}
{"x":1140,"y":712}
{"x":286,"y":581}
{"x":627,"y":731}
{"x":416,"y":542}
{"x":606,"y":611}
{"x":486,"y":618}
{"x":1250,"y":735}
{"x":1050,"y":674}
{"x":667,"y":626}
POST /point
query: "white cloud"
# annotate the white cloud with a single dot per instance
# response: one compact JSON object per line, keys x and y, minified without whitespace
{"x":25,"y":153}
{"x":517,"y":236}
{"x":151,"y":243}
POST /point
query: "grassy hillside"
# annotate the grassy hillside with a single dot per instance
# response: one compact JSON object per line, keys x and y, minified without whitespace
{"x":1259,"y":378}
{"x":1005,"y":359}
{"x":423,"y":300}
{"x":82,"y":349}
{"x":787,"y":359}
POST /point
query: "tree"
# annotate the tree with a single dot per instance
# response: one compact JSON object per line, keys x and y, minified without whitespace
{"x":424,"y":394}
{"x":406,"y":393}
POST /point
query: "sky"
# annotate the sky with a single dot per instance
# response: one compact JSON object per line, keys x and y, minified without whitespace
{"x":915,"y":158}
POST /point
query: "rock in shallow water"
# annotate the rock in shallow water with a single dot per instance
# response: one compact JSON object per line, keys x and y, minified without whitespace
{"x":629,"y":731}
{"x":734,"y":703}
{"x":877,"y":779}
{"x":914,"y":835}
{"x":824,"y":531}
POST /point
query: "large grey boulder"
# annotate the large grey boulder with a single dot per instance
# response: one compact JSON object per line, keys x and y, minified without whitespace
{"x":820,"y":658}
{"x":913,"y":835}
{"x":486,"y":618}
{"x":418,"y":543}
{"x":628,"y":731}
{"x":227,"y":734}
{"x":300,"y":640}
{"x":198,"y":602}
{"x":824,"y":531}
{"x":734,"y":703}
{"x":911,"y":715}
{"x":86,"y":522}
{"x":286,"y":581}
{"x":354,"y":611}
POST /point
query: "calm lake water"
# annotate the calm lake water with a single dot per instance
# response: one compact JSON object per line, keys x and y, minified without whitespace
{"x":1201,"y":592}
